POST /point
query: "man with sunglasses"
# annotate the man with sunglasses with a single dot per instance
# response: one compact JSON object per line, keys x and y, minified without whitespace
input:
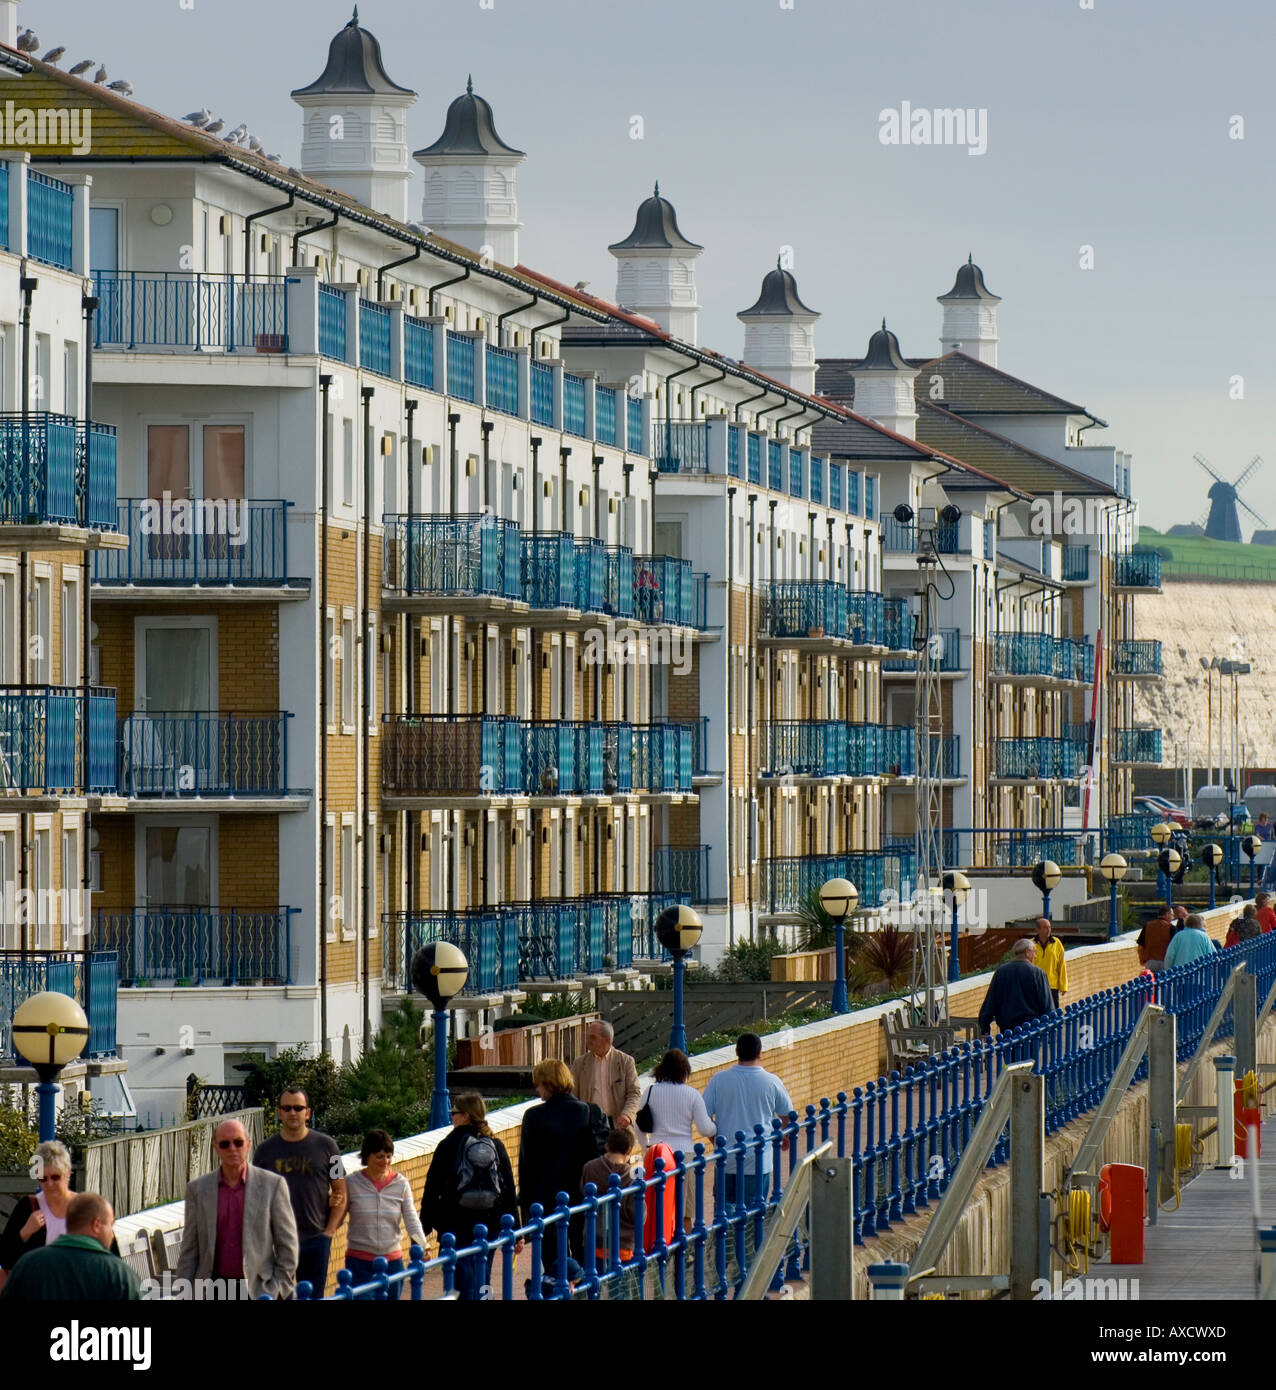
{"x":310,"y":1163}
{"x":239,"y":1222}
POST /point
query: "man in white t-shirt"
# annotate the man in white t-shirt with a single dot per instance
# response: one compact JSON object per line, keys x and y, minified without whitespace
{"x":741,"y":1098}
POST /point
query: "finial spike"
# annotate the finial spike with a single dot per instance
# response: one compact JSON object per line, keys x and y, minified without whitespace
{"x":656,"y":193}
{"x":883,"y":325}
{"x":970,"y":258}
{"x":355,"y":21}
{"x":778,"y":266}
{"x":469,"y":84}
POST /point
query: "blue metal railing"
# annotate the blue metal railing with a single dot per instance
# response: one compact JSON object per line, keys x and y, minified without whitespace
{"x":853,"y":476}
{"x":88,"y":977}
{"x":460,"y":366}
{"x":573,"y":404}
{"x":734,"y":434}
{"x":605,"y":414}
{"x":664,"y":590}
{"x":1138,"y":745}
{"x":898,"y":625}
{"x":947,"y":642}
{"x":542,"y":394}
{"x":102,"y":777}
{"x":1013,"y":848}
{"x":591,"y":575}
{"x":418,"y":352}
{"x":1045,"y":758}
{"x":619,"y":597}
{"x":795,"y":473}
{"x":242,"y":543}
{"x":501,"y":365}
{"x":682,"y":446}
{"x":198,"y":945}
{"x":870,"y":497}
{"x":835,"y":748}
{"x":681,"y":869}
{"x":464,"y":556}
{"x":1040,"y":654}
{"x":1139,"y":571}
{"x":817,"y":479}
{"x":41,"y":738}
{"x":754,"y":451}
{"x":1076,"y":562}
{"x":835,"y":485}
{"x":50,"y":218}
{"x":4,"y":214}
{"x":774,"y":465}
{"x":95,"y":475}
{"x":949,"y":749}
{"x":332,"y":323}
{"x":1128,"y":832}
{"x":1137,"y":658}
{"x":548,"y":570}
{"x":786,"y":882}
{"x":374,"y":337}
{"x":203,"y":754}
{"x":38,"y":469}
{"x":635,"y":443}
{"x":197,"y":312}
{"x":902,"y":536}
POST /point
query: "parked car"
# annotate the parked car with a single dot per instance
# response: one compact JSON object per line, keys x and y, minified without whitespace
{"x":1162,"y":810}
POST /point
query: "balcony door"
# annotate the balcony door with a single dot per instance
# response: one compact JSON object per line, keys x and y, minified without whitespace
{"x":175,"y":679}
{"x":192,"y":474}
{"x":176,"y":863}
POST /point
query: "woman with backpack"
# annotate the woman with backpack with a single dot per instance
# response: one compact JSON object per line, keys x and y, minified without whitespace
{"x":470,"y":1182}
{"x":380,"y":1206}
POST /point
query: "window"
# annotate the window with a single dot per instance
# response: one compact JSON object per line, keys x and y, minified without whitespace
{"x":9,"y":936}
{"x":330,"y":662}
{"x":70,"y":909}
{"x":347,"y":463}
{"x":41,"y":629}
{"x":41,"y":882}
{"x":71,"y":670}
{"x":41,"y":387}
{"x":390,"y":478}
{"x":347,"y":670}
{"x":332,"y":908}
{"x":70,"y":377}
{"x":8,"y":629}
{"x":349,"y":879}
{"x":370,"y":644}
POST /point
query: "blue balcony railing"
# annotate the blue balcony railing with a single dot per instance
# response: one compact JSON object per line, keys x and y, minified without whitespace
{"x":1139,"y":571}
{"x":573,"y":404}
{"x":947,"y":752}
{"x":682,"y":870}
{"x":898,"y":625}
{"x":1137,"y":658}
{"x":682,"y":446}
{"x":332,"y":323}
{"x":418,"y":352}
{"x":42,"y":738}
{"x":635,"y":444}
{"x":548,"y":570}
{"x":785,"y":883}
{"x":1040,"y":654}
{"x":374,"y":337}
{"x":203,"y":754}
{"x":88,"y":977}
{"x":501,"y":365}
{"x":664,"y":590}
{"x":753,"y":452}
{"x":619,"y":597}
{"x":4,"y":214}
{"x":835,"y":748}
{"x":185,"y":311}
{"x":38,"y":469}
{"x":774,"y":465}
{"x":605,"y":414}
{"x":795,"y":473}
{"x":817,"y":479}
{"x":50,"y":218}
{"x":460,"y":366}
{"x":901,"y":536}
{"x":160,"y":945}
{"x":1138,"y":746}
{"x":870,"y":497}
{"x":1076,"y":563}
{"x":1128,"y":832}
{"x":542,"y":394}
{"x":1038,"y":758}
{"x":735,"y":433}
{"x":242,"y":543}
{"x":591,"y":576}
{"x":446,"y":556}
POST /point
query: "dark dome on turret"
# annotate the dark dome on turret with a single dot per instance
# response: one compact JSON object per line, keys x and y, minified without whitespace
{"x":655,"y":227}
{"x":354,"y":66}
{"x":970,"y":284}
{"x":779,"y":296}
{"x":883,"y":353}
{"x":469,"y":129}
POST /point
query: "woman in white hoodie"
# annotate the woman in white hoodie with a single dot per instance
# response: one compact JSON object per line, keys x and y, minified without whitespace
{"x":676,"y":1106}
{"x":380,"y":1207}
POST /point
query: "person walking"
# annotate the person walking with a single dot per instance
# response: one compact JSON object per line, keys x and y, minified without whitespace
{"x":470,"y":1182}
{"x":379,"y":1206}
{"x":674,"y":1107}
{"x":239,"y":1222}
{"x":617,"y":1158}
{"x":1017,"y":993}
{"x":1245,"y":927}
{"x":1050,"y":958}
{"x":39,"y":1219}
{"x":607,"y":1077}
{"x":739,"y":1099}
{"x":310,"y":1163}
{"x":559,"y":1137}
{"x":1264,"y":912}
{"x":1154,"y":940}
{"x":79,"y":1264}
{"x":1189,"y":944}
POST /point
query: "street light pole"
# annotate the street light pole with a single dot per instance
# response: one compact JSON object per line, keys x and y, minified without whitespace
{"x":956,"y":884}
{"x":678,"y":930}
{"x":1113,"y":867}
{"x":839,"y":898}
{"x":49,"y":1030}
{"x":439,"y":971}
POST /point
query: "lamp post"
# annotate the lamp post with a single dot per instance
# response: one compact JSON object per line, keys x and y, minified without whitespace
{"x":1046,"y":876}
{"x":839,"y":898}
{"x":1231,"y":818}
{"x":678,"y":930}
{"x":956,"y":883}
{"x":49,"y":1030}
{"x":1160,"y":834}
{"x":439,"y":971}
{"x":1251,"y":845}
{"x":1113,"y":868}
{"x":1212,"y":855}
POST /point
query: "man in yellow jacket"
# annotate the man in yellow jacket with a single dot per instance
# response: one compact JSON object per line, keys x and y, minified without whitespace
{"x":1051,"y":959}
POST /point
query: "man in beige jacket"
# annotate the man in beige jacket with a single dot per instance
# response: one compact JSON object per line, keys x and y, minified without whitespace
{"x":607,"y":1078}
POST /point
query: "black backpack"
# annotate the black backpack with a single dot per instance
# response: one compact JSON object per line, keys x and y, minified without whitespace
{"x":478,"y":1174}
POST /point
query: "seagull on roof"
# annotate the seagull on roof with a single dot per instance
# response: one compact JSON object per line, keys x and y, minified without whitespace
{"x":100,"y":74}
{"x":274,"y":159}
{"x":255,"y":145}
{"x":27,"y":41}
{"x":53,"y":55}
{"x":121,"y":86}
{"x":581,"y":285}
{"x":81,"y":67}
{"x":236,"y":135}
{"x":199,"y":118}
{"x":214,"y":126}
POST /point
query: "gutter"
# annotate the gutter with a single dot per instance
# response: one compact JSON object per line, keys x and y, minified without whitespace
{"x":390,"y":265}
{"x":248,"y":231}
{"x":310,"y":231}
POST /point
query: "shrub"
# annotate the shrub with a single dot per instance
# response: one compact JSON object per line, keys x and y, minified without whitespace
{"x":743,"y":962}
{"x":17,"y":1141}
{"x":545,"y":1007}
{"x":889,"y":952}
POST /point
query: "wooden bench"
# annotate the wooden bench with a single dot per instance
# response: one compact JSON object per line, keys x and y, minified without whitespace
{"x":905,"y":1045}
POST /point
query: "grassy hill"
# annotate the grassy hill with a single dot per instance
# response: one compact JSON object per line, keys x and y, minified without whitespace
{"x":1194,"y":557}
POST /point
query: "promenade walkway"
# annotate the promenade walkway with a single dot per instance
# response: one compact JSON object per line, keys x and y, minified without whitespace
{"x":1207,"y":1249}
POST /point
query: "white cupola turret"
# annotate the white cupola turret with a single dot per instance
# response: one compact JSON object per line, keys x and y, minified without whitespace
{"x":779,"y":337}
{"x":355,"y":132}
{"x":970,"y":316}
{"x":656,"y":276}
{"x":469,"y":181}
{"x":884,"y":385}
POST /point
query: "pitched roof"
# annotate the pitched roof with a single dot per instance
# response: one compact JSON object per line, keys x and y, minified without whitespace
{"x":779,"y":298}
{"x":883,"y":353}
{"x":354,"y":66}
{"x":470,"y":129}
{"x":969,"y":284}
{"x":655,"y":228}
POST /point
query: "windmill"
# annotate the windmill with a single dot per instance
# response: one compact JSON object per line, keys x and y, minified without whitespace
{"x":1224,"y":523}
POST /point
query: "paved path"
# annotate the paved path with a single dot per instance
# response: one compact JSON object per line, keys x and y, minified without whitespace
{"x":1207,"y":1248}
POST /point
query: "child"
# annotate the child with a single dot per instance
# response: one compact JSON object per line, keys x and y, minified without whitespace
{"x":616,"y":1158}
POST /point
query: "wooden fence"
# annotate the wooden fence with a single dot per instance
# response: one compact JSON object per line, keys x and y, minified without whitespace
{"x":642,"y":1018}
{"x":136,"y":1171}
{"x":524,"y":1047}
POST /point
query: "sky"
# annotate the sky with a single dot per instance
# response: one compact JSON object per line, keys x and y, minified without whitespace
{"x":1110,"y":125}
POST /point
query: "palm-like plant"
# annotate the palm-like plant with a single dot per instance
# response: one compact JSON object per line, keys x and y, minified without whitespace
{"x":889,"y":951}
{"x":816,"y":929}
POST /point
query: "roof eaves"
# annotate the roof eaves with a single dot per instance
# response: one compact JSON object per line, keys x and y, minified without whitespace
{"x":1066,"y":407}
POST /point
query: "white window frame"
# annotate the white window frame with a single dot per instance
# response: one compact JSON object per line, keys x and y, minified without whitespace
{"x":9,"y":623}
{"x":40,"y":596}
{"x":330,"y":835}
{"x":371,"y":648}
{"x":74,"y":924}
{"x":329,"y":714}
{"x":10,"y":933}
{"x":145,"y":823}
{"x":140,"y":628}
{"x":72,"y":667}
{"x":349,"y":671}
{"x":349,"y":877}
